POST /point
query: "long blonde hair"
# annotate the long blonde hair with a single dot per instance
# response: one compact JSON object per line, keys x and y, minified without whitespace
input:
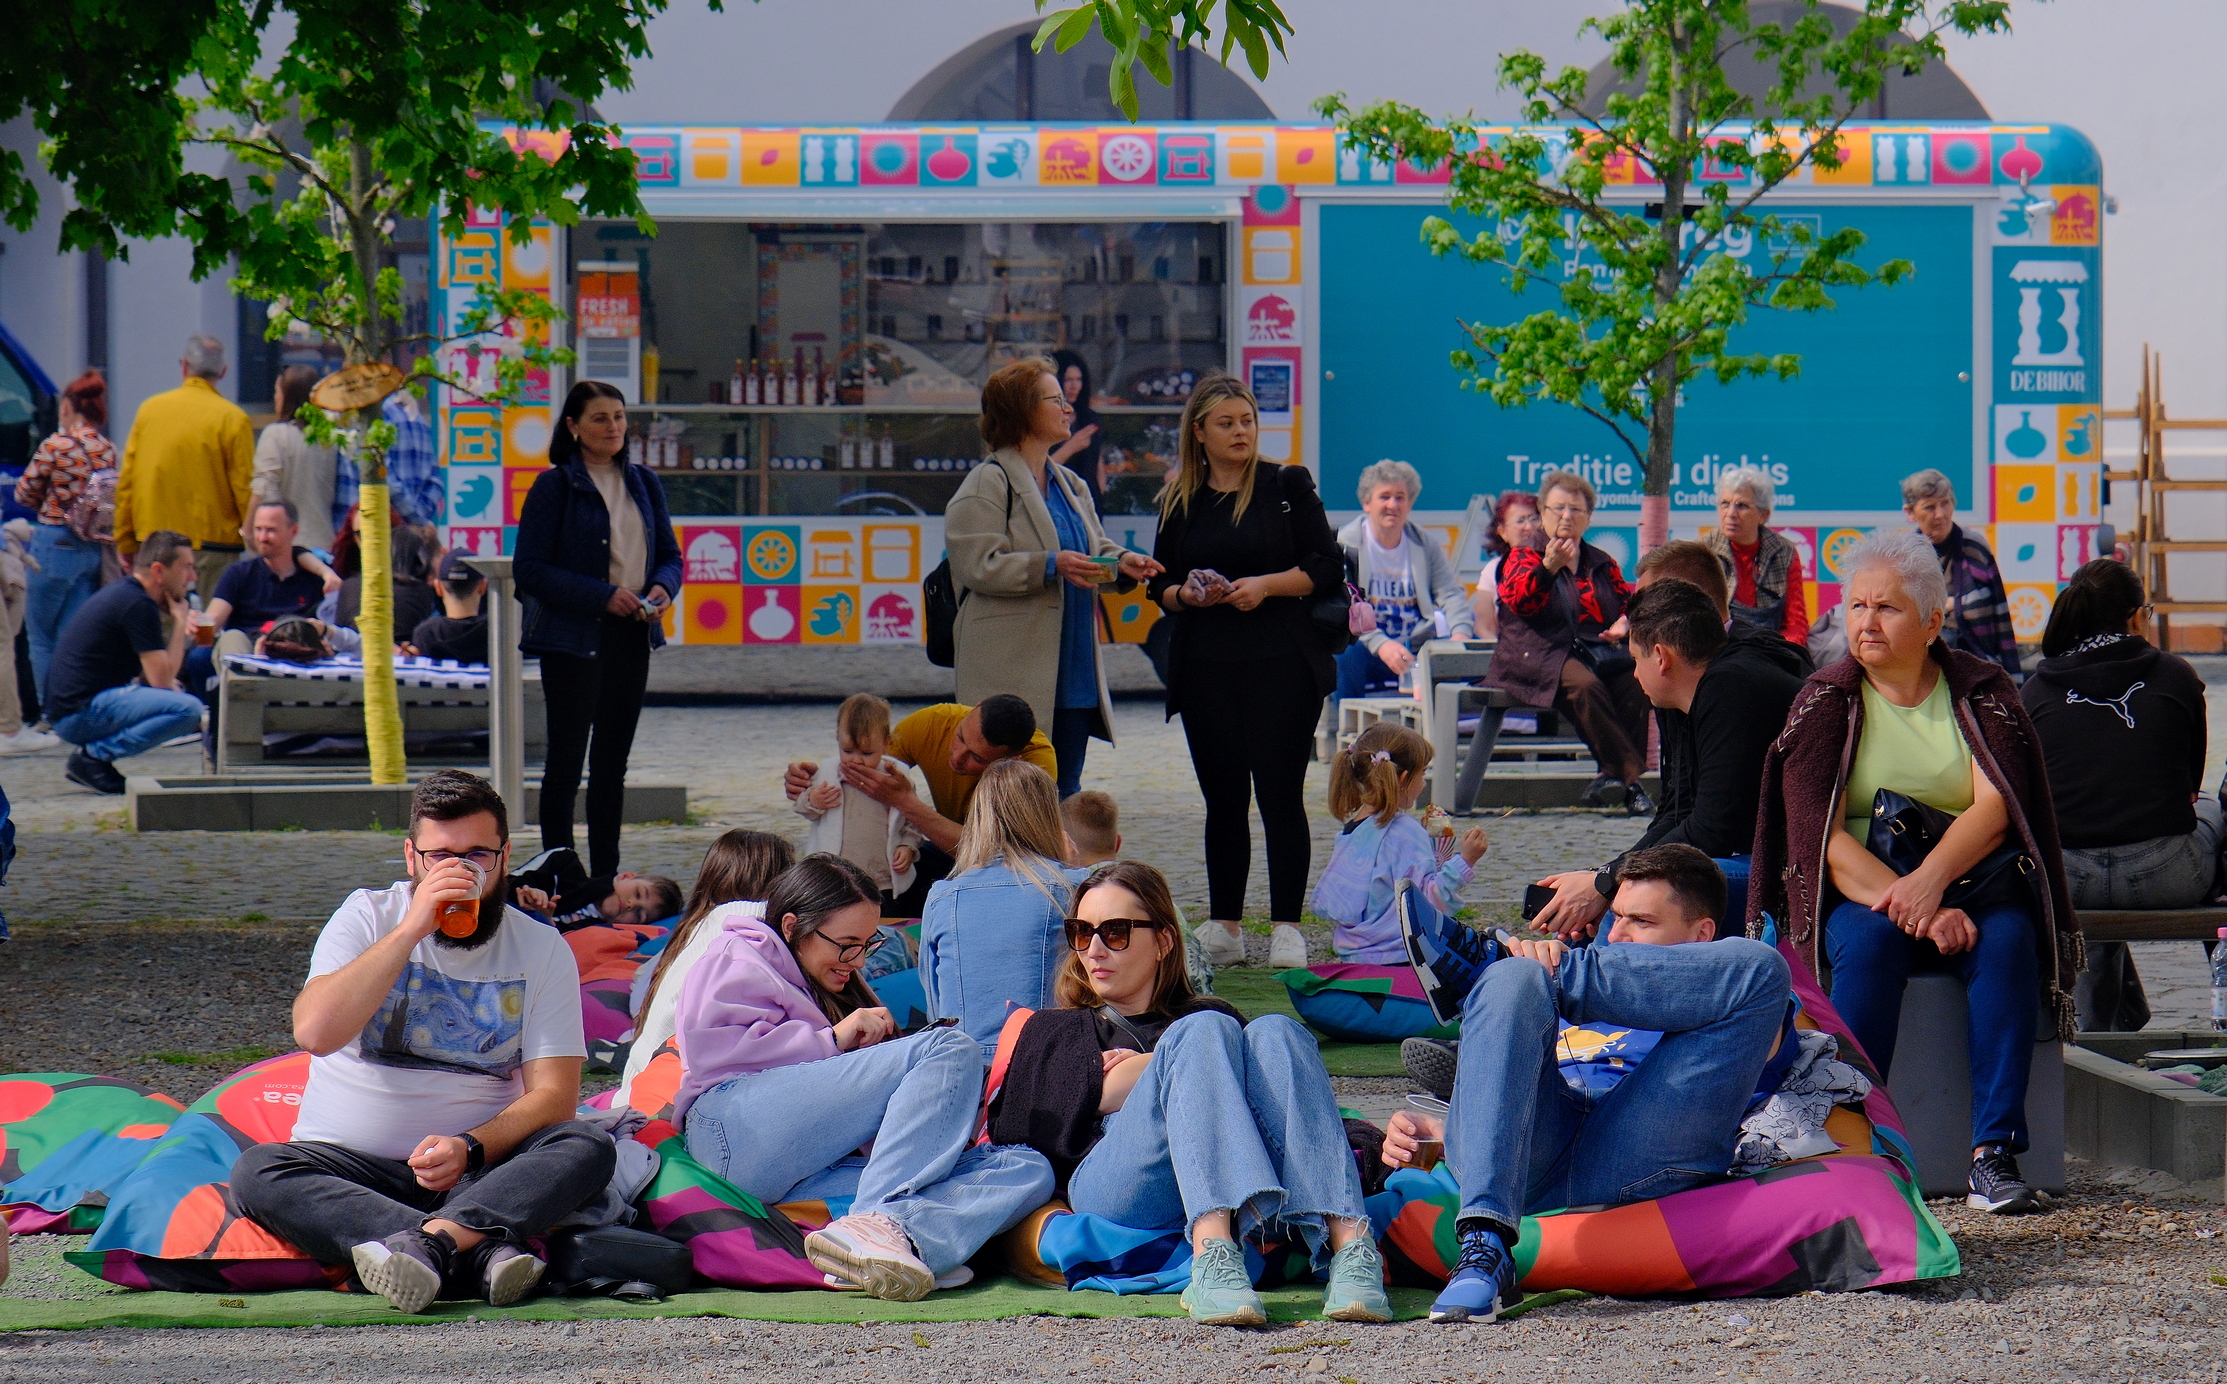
{"x":1359,"y":779}
{"x":1014,"y":815}
{"x":1192,"y":470}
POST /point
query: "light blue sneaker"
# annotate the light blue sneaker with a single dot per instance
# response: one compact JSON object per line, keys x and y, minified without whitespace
{"x":1221,"y":1291}
{"x":1483,"y":1281}
{"x":1356,"y":1291}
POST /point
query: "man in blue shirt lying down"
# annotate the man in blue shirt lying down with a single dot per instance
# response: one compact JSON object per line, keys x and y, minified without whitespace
{"x":1601,"y":1075}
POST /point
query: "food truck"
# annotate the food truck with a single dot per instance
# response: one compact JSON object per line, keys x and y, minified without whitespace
{"x":803,"y":341}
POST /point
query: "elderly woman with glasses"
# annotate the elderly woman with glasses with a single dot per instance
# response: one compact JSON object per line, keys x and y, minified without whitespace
{"x":1763,"y":568}
{"x":1561,"y":641}
{"x":791,"y":1066}
{"x":1161,"y":1109}
{"x":1029,"y":558}
{"x":1409,"y":581}
{"x":1965,"y":877}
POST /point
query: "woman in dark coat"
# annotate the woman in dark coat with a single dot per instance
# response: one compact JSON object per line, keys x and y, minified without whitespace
{"x":1245,"y":549}
{"x":1083,"y":448}
{"x":1903,"y":712}
{"x":597,"y":564}
{"x":1561,"y":641}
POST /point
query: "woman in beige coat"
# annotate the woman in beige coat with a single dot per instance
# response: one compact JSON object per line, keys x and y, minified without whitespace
{"x":1028,"y":557}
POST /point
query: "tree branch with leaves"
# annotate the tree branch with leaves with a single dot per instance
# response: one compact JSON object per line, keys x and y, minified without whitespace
{"x":1646,"y":209}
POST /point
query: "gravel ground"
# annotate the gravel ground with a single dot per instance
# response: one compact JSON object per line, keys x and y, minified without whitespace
{"x":2108,"y":1287}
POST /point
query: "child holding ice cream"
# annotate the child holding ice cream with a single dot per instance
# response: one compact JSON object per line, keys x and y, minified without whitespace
{"x":1373,"y":787}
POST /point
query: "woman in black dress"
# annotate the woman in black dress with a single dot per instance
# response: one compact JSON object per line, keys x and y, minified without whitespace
{"x":1246,"y":548}
{"x":1081,"y":451}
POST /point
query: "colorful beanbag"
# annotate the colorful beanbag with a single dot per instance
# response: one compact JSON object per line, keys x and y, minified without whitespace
{"x":609,"y":955}
{"x":1356,"y":1003}
{"x":65,"y":1138}
{"x":733,"y":1239}
{"x":172,"y":1224}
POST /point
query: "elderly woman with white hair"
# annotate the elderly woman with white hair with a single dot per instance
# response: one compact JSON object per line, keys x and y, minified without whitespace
{"x":1763,"y":568}
{"x":1961,"y":873}
{"x":1408,"y":579}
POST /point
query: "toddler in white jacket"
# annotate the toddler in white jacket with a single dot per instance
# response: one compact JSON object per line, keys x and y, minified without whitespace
{"x":848,"y":823}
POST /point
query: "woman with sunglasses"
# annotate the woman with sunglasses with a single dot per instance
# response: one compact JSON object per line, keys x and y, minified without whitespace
{"x":791,"y":1066}
{"x":1162,"y":1108}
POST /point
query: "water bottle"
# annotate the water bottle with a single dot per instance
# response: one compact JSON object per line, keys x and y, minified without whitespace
{"x":2219,"y":982}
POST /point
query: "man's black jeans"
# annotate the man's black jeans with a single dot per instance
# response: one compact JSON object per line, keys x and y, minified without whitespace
{"x":325,"y":1199}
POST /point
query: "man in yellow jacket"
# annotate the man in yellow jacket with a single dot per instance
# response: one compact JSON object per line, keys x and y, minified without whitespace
{"x":188,"y":467}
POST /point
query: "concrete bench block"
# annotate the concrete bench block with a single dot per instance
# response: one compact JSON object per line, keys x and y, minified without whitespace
{"x":1932,"y":1087}
{"x":2119,"y":1114}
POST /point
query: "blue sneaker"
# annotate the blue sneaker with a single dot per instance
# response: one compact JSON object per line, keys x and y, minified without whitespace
{"x":1447,"y":955}
{"x":1484,"y":1280}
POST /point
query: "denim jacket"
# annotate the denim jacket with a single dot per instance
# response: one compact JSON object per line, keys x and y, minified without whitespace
{"x":990,"y":940}
{"x":563,"y":558}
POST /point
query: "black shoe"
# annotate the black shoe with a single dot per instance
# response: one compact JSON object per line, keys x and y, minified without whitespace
{"x":407,"y":1268}
{"x":96,"y":774}
{"x":1995,"y":1185}
{"x":1636,"y":801}
{"x":1603,"y":791}
{"x":1431,"y":1061}
{"x":500,"y":1272}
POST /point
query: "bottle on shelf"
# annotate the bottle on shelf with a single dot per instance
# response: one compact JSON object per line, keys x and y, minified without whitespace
{"x":823,"y":390}
{"x":847,"y":454}
{"x":650,"y":362}
{"x":769,"y":384}
{"x":794,"y":388}
{"x":750,"y":394}
{"x":735,"y":389}
{"x":888,"y":458}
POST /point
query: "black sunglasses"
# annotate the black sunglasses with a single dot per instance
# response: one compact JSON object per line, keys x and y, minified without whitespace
{"x":847,"y":952}
{"x":1115,"y":931}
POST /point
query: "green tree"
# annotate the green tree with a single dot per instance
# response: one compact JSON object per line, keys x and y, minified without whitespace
{"x":1144,"y":32}
{"x":1649,"y":290}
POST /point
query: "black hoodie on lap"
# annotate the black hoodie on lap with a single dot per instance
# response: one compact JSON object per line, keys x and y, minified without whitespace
{"x":2122,"y":732}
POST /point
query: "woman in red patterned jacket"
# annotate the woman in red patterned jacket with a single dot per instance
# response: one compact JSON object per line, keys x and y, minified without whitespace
{"x":69,"y":570}
{"x":1561,"y":641}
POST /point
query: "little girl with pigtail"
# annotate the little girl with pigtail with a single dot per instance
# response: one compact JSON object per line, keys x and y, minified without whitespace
{"x":1373,"y":787}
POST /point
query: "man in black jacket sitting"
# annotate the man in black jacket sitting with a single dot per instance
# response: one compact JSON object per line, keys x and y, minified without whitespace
{"x":1720,"y":701}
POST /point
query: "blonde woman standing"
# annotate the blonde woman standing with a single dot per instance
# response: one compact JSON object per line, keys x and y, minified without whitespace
{"x":990,"y":933}
{"x":1246,"y":549}
{"x":1029,"y":557}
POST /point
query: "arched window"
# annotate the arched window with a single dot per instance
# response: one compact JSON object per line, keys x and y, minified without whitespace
{"x":1935,"y":93}
{"x":1001,"y":77}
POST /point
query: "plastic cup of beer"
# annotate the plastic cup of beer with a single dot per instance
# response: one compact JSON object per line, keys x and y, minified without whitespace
{"x":1429,"y":1153}
{"x":204,"y":629}
{"x":461,"y":918}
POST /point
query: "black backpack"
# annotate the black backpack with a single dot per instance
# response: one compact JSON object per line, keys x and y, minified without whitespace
{"x":940,"y":598}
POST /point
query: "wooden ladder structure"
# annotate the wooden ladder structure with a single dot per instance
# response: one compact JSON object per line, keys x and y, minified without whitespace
{"x":2151,"y":543}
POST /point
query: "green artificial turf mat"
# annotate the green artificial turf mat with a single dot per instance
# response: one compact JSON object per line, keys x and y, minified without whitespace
{"x":986,"y":1301}
{"x":1256,"y":991}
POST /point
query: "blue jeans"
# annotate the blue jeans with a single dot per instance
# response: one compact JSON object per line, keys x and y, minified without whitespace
{"x":1872,"y":958}
{"x":792,"y":1134}
{"x":1071,"y":744}
{"x":1361,"y":672}
{"x":125,"y":721}
{"x":1735,"y":869}
{"x":69,"y":572}
{"x":1225,"y":1119}
{"x":1522,"y":1139}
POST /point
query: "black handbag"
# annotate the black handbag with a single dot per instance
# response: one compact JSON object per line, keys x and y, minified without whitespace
{"x":617,"y":1261}
{"x":1331,"y":616}
{"x":940,"y":598}
{"x":1606,"y":660}
{"x":1904,"y":832}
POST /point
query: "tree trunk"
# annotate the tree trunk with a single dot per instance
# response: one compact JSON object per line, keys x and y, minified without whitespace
{"x":382,"y":705}
{"x":1662,"y":383}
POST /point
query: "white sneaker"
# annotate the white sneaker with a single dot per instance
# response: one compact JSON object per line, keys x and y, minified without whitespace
{"x":1287,"y":948}
{"x":958,"y":1278}
{"x":1221,"y":948}
{"x":873,"y":1252}
{"x":27,"y":741}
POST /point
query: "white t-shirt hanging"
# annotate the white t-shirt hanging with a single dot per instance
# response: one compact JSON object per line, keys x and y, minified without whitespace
{"x":444,"y":1051}
{"x":1391,"y":586}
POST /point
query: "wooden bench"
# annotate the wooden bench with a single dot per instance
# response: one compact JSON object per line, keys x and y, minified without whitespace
{"x":1450,"y":668}
{"x":2152,"y":924}
{"x":251,"y":707}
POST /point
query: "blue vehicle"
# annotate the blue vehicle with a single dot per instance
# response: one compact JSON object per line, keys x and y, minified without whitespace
{"x":27,"y":415}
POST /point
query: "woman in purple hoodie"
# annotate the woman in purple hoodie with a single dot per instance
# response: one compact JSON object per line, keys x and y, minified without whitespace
{"x":792,"y":1066}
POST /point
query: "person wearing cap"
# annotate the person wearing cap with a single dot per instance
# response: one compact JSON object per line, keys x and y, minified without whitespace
{"x":460,"y":630}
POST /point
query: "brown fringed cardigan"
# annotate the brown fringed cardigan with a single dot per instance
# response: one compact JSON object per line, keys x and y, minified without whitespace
{"x":1805,"y":776}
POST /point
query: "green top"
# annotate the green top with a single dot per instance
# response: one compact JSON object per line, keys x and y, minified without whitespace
{"x":1915,"y":750}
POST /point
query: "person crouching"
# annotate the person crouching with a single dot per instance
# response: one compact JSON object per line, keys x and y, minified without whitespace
{"x":436,"y":1132}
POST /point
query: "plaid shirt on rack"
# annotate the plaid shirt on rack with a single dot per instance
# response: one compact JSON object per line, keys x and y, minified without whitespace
{"x":414,"y":482}
{"x":1979,"y":608}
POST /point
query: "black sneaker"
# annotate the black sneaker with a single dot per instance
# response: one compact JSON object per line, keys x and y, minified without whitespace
{"x":96,"y":774}
{"x":1603,"y":791}
{"x":1636,"y":801}
{"x":407,"y":1268}
{"x":501,"y":1272}
{"x":1431,"y":1061}
{"x":1995,"y":1184}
